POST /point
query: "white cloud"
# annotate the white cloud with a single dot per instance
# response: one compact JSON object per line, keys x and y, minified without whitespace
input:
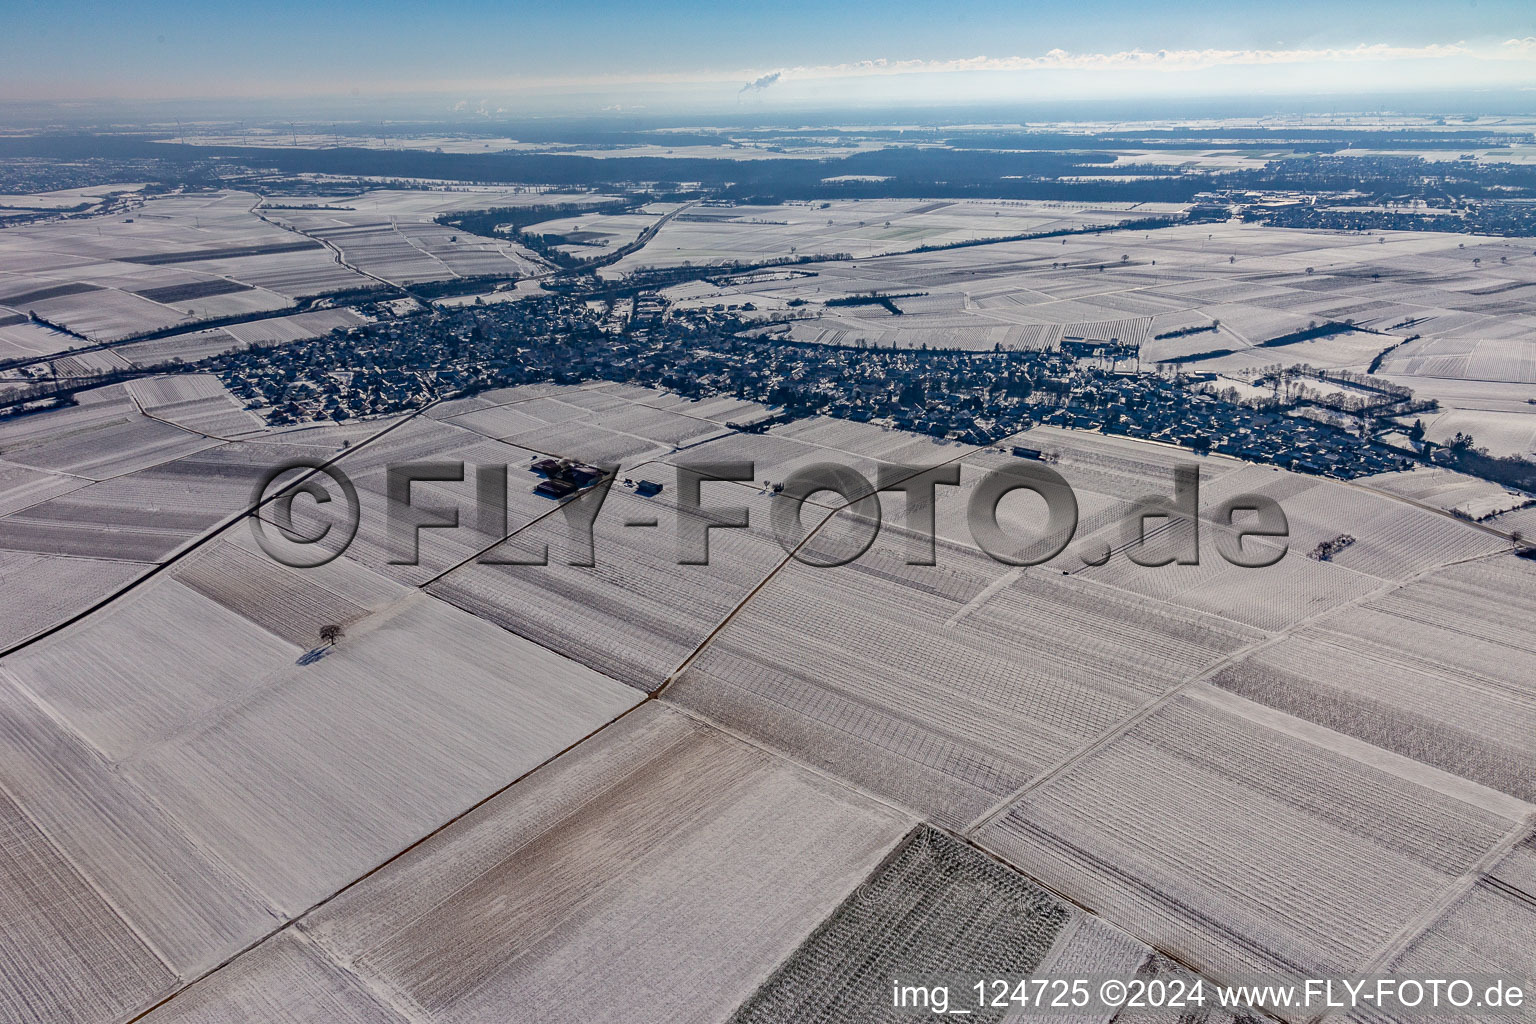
{"x":1057,"y":60}
{"x":1169,"y":60}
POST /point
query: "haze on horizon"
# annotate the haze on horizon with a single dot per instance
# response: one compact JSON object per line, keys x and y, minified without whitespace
{"x":686,"y":55}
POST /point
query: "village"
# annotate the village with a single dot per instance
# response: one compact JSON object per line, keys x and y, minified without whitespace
{"x":975,"y":397}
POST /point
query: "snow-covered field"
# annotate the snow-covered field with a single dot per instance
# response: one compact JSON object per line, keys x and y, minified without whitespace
{"x":1316,"y":768}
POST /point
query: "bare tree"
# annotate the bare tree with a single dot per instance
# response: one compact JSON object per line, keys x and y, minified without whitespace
{"x":329,"y":634}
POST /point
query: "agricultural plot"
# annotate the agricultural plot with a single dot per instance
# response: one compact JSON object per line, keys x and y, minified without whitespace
{"x":22,"y":486}
{"x":85,"y":364}
{"x":293,"y":604}
{"x":621,"y":430}
{"x":189,"y":347}
{"x":1087,"y":307}
{"x":1124,"y":467}
{"x":591,"y":235}
{"x":1021,"y":516}
{"x":1393,"y":539}
{"x":67,"y":542}
{"x":1107,"y":475}
{"x":1522,"y":521}
{"x":196,"y":402}
{"x":1283,"y":770}
{"x":190,"y":290}
{"x":868,"y":441}
{"x":1435,"y":671}
{"x":861,"y":228}
{"x":851,"y":672}
{"x":721,"y":410}
{"x":1450,"y":491}
{"x":392,"y":235}
{"x":785,"y":450}
{"x":1517,"y":868}
{"x":64,"y":528}
{"x":324,"y":767}
{"x":22,"y":339}
{"x":415,"y":204}
{"x":40,"y":590}
{"x":148,"y":514}
{"x":182,"y":904}
{"x":593,"y":889}
{"x":284,"y":979}
{"x":100,"y":314}
{"x":663,"y":426}
{"x":596,"y":422}
{"x":98,"y":441}
{"x":143,"y":669}
{"x":327,"y":435}
{"x":382,"y":251}
{"x":192,"y":345}
{"x":170,"y":260}
{"x":1472,"y":397}
{"x":1159,"y":969}
{"x":1351,"y":350}
{"x":974,"y":332}
{"x":220,"y":417}
{"x":189,"y":258}
{"x":1510,"y":360}
{"x":635,"y":614}
{"x":297,"y":327}
{"x":496,"y":417}
{"x":585,"y":442}
{"x":1485,"y":934}
{"x":1244,"y":842}
{"x":1087,"y":947}
{"x":918,"y":682}
{"x":938,"y":911}
{"x":71,"y":957}
{"x":1277,"y":597}
{"x":210,"y":298}
{"x":141,"y":847}
{"x":936,"y":908}
{"x":618,"y":419}
{"x":434,"y":551}
{"x":1127,"y":331}
{"x":1502,"y":433}
{"x":301,"y":269}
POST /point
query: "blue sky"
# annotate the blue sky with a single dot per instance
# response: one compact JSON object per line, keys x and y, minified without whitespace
{"x":686,"y":52}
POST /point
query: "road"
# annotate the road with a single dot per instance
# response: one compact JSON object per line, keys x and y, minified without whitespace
{"x":640,"y":242}
{"x":334,"y":249}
